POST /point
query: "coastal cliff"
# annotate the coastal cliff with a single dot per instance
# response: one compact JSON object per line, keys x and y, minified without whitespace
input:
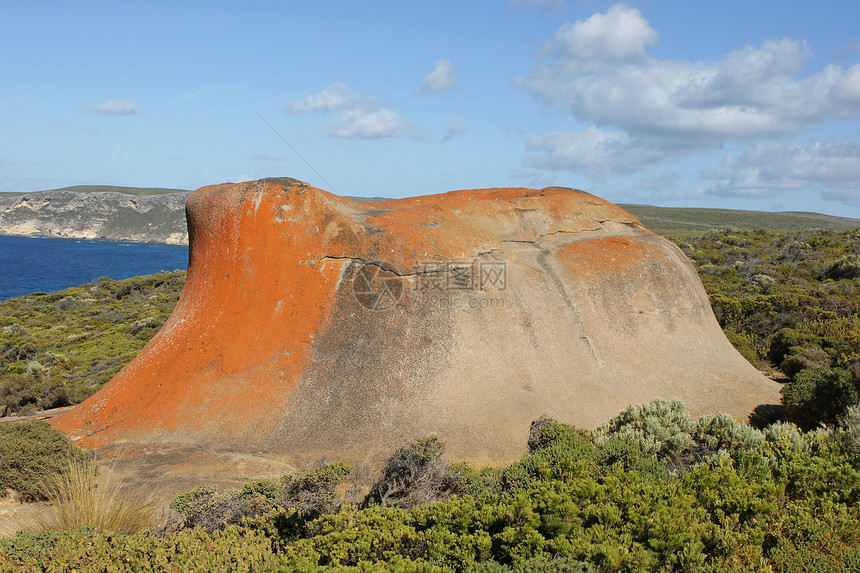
{"x":98,"y":212}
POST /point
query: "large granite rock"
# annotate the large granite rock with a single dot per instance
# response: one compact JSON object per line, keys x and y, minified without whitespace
{"x":312,"y":325}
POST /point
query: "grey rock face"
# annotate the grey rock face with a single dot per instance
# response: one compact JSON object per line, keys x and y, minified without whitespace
{"x":96,"y":215}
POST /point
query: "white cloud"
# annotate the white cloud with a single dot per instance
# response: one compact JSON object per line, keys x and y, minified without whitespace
{"x":358,"y":124}
{"x":358,"y":117}
{"x":599,"y":70}
{"x":456,"y":128}
{"x":751,"y":93}
{"x":116,"y":107}
{"x":620,"y":35}
{"x":768,"y":169}
{"x":440,"y":79}
{"x":335,"y":97}
{"x":597,"y":152}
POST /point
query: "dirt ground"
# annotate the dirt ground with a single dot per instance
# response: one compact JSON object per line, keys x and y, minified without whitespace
{"x":15,"y":516}
{"x":165,"y":470}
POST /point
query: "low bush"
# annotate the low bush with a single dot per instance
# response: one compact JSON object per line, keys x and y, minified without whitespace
{"x":308,"y":492}
{"x":312,"y":491}
{"x":31,"y":455}
{"x":818,"y":396}
{"x":851,"y":424}
{"x":205,"y":508}
{"x":414,"y":474}
{"x":557,"y":451}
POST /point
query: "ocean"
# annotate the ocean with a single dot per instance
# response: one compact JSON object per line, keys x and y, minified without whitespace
{"x":31,"y":264}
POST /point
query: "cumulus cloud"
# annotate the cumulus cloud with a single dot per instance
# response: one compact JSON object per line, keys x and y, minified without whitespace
{"x":335,"y":97}
{"x":603,"y":40}
{"x":116,"y":107}
{"x":749,"y":94}
{"x":599,"y":70}
{"x":358,"y":117}
{"x":597,"y":152}
{"x":358,"y":124}
{"x":768,"y":169}
{"x":440,"y":79}
{"x":456,"y":128}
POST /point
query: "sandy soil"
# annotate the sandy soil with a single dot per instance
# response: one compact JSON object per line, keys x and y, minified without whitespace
{"x":15,"y":516}
{"x":165,"y":470}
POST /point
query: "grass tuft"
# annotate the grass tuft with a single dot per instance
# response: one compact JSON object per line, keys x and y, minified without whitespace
{"x":83,"y":496}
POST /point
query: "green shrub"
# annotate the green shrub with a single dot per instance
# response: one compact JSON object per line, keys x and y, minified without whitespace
{"x":722,"y":432}
{"x":660,"y":427}
{"x":746,"y":345}
{"x":87,"y":550}
{"x":558,"y":452}
{"x":476,"y":482}
{"x":536,"y":565}
{"x":267,"y":488}
{"x":545,"y":432}
{"x":631,"y":450}
{"x":30,"y":454}
{"x":851,"y":424}
{"x":818,"y":396}
{"x":815,"y":540}
{"x":184,"y":503}
{"x":310,"y":492}
{"x":847,"y":267}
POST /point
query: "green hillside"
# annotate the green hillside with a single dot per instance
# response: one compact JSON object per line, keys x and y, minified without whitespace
{"x":690,"y":220}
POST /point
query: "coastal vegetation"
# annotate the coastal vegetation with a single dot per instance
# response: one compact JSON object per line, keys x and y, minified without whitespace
{"x":650,"y":490}
{"x":59,"y":348}
{"x":790,"y":303}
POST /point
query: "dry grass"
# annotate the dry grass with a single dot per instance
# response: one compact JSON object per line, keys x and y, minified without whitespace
{"x":85,"y":496}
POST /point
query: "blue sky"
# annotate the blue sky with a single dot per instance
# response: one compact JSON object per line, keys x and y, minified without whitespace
{"x":747,"y":105}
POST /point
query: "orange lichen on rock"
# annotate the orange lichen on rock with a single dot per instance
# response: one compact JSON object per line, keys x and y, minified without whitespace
{"x":313,"y":325}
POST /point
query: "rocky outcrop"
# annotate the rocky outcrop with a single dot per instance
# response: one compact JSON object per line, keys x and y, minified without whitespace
{"x":66,"y":213}
{"x":314,"y":326}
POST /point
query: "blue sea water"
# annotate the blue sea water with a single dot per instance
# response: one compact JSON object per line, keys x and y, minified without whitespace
{"x":29,"y":264}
